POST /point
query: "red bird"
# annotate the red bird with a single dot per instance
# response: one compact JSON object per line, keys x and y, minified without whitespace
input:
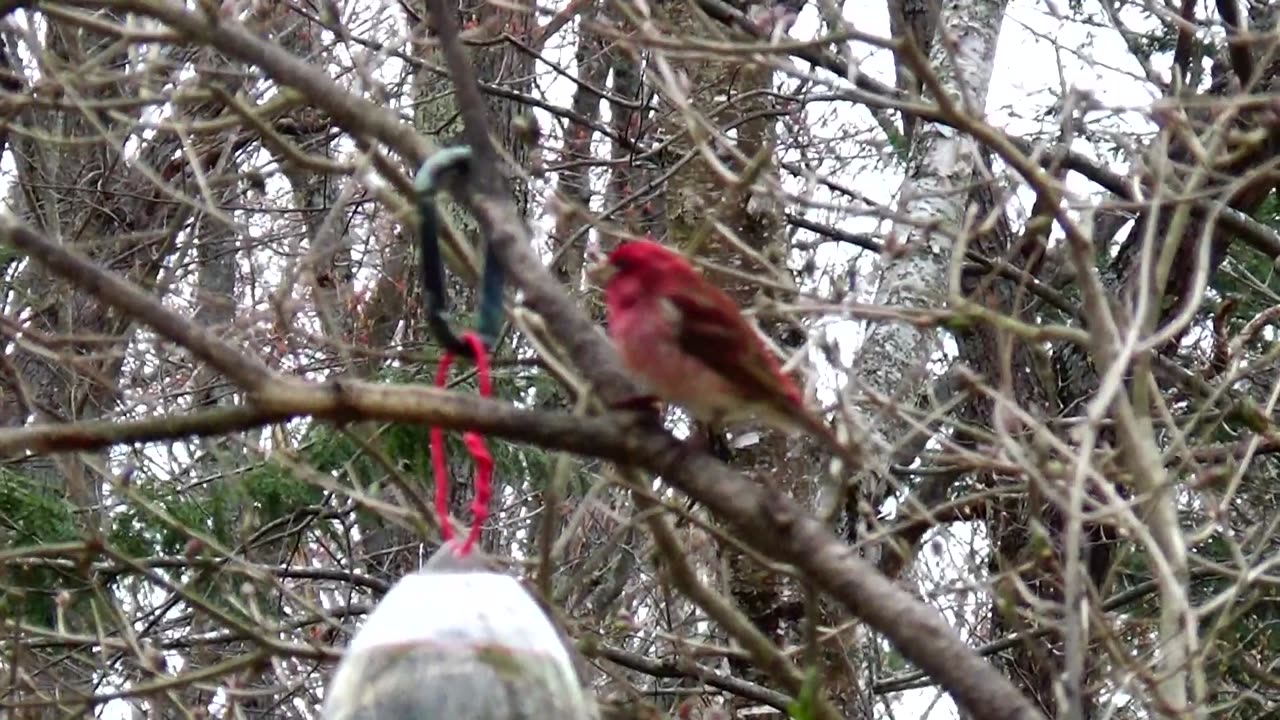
{"x":689,"y":341}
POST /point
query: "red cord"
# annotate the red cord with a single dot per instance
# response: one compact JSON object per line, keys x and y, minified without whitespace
{"x":475,"y":445}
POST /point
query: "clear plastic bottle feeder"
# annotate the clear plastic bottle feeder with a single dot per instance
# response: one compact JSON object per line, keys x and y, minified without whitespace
{"x":459,"y":643}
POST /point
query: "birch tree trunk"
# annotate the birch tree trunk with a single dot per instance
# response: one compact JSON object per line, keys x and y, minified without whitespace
{"x":934,"y":198}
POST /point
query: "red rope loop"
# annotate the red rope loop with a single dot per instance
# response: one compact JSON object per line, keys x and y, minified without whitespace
{"x":475,"y":446}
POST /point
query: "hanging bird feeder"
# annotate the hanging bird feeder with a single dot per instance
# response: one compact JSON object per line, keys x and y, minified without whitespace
{"x":457,"y":644}
{"x":455,"y":641}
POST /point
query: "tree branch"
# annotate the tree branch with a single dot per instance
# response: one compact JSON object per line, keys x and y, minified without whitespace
{"x":769,"y":521}
{"x":246,"y":371}
{"x":660,"y":669}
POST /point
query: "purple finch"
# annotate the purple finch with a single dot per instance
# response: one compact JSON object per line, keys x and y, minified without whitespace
{"x":687,"y":339}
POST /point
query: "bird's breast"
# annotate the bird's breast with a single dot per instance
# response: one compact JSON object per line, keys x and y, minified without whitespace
{"x":648,"y":337}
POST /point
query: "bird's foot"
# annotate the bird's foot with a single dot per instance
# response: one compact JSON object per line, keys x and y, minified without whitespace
{"x":708,"y":437}
{"x":647,"y":407}
{"x":704,"y":439}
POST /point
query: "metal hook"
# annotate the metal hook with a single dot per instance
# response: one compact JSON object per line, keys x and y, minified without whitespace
{"x":427,"y":184}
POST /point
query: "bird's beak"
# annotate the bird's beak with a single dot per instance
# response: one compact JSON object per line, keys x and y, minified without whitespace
{"x":599,"y":269}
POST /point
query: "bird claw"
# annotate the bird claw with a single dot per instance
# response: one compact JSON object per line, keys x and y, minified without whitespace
{"x":707,"y":437}
{"x":648,"y":407}
{"x":718,"y":445}
{"x":709,"y":442}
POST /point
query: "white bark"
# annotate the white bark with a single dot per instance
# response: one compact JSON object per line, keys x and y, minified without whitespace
{"x":943,"y":164}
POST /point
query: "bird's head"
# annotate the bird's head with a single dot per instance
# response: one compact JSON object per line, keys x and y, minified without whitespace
{"x":643,"y":261}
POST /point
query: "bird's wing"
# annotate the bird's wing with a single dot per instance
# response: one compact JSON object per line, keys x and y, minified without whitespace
{"x":712,"y":329}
